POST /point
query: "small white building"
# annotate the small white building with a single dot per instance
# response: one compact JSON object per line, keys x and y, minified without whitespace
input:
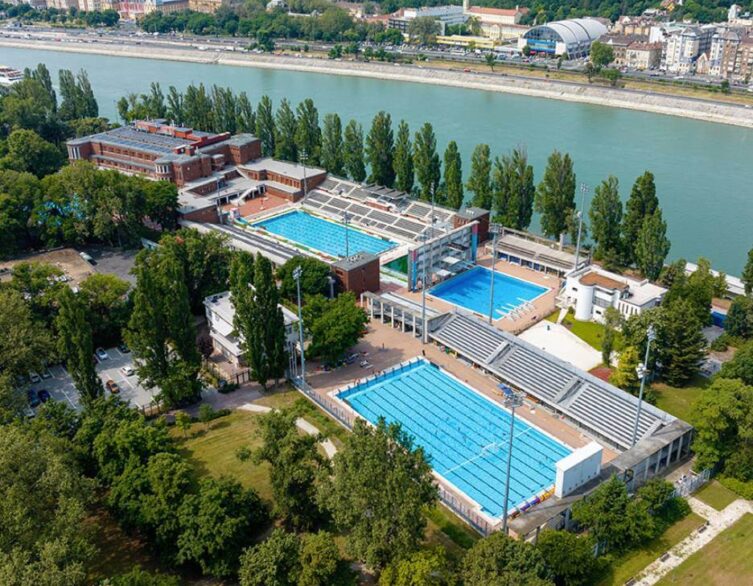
{"x":220,"y":313}
{"x":591,"y":290}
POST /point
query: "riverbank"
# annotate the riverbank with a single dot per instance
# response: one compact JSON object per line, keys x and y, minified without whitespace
{"x":696,"y":108}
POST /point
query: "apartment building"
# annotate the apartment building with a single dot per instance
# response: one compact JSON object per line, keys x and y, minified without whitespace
{"x":730,"y":55}
{"x":500,"y":24}
{"x":619,"y":44}
{"x":643,"y":56}
{"x":444,"y":15}
{"x":683,"y":47}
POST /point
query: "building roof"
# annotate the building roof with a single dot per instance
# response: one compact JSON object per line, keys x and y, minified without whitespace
{"x":472,"y":213}
{"x":575,"y":31}
{"x":129,"y":137}
{"x":292,"y":170}
{"x":595,"y":278}
{"x":222,"y":305}
{"x":498,"y":11}
{"x":355,"y":260}
{"x":639,"y":292}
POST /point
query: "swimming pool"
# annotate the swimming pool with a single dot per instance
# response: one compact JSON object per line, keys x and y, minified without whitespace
{"x":464,"y":434}
{"x":323,"y":235}
{"x":470,"y":290}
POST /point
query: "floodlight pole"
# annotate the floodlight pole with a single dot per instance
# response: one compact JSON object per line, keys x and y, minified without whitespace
{"x":494,"y":229}
{"x":424,"y":238}
{"x":643,"y":373}
{"x":303,"y":156}
{"x":512,"y":401}
{"x":346,"y":219}
{"x":583,"y":191}
{"x":297,"y":276}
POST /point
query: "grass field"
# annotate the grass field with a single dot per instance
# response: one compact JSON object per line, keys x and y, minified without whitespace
{"x":633,"y":562}
{"x":725,"y":560}
{"x":678,"y":401}
{"x":591,"y":333}
{"x":715,"y":495}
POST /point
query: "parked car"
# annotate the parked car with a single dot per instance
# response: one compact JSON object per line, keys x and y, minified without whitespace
{"x":46,"y":374}
{"x":124,"y":349}
{"x":44,"y":395}
{"x":31,"y":396}
{"x":127,"y":370}
{"x":101,"y":354}
{"x":34,"y":377}
{"x":86,"y":257}
{"x":112,"y":386}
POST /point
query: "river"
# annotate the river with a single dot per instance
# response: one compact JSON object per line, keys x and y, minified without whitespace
{"x":704,"y":171}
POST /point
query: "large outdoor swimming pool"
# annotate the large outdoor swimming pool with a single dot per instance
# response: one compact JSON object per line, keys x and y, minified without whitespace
{"x":464,"y":434}
{"x":470,"y":290}
{"x":322,"y":235}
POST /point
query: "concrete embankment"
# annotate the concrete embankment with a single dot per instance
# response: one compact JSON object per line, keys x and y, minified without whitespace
{"x":700,"y":109}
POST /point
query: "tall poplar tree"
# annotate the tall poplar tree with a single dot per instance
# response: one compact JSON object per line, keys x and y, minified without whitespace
{"x":641,"y":204}
{"x":308,"y":135}
{"x":332,"y":155}
{"x":453,"y":176}
{"x":265,"y":126}
{"x":426,"y":162}
{"x":606,"y":221}
{"x":479,"y":181}
{"x":285,"y":127}
{"x":245,"y":119}
{"x":75,"y":344}
{"x":403,"y":161}
{"x":747,"y":274}
{"x":353,"y":152}
{"x":652,"y":245}
{"x":514,"y":192}
{"x":380,"y":150}
{"x":555,"y":196}
{"x":175,"y":110}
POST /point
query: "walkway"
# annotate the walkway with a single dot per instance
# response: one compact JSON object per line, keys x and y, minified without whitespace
{"x":717,"y":521}
{"x":302,"y":424}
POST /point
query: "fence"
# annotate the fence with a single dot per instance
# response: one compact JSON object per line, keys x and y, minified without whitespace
{"x":687,"y":485}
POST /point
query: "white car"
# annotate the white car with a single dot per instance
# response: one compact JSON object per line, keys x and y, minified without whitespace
{"x":127,"y":370}
{"x":101,"y":354}
{"x":34,"y":377}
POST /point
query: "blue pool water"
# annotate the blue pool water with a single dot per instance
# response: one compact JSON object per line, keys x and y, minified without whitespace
{"x":323,"y":235}
{"x":464,"y":434}
{"x":470,"y":290}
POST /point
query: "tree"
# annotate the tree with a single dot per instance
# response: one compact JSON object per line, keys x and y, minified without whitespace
{"x":335,"y":325}
{"x":138,"y":577}
{"x":273,"y":562}
{"x":245,"y":117}
{"x":285,"y":127}
{"x":641,"y":204}
{"x":314,"y":273}
{"x":739,"y":322}
{"x":43,"y":536}
{"x":295,"y":463}
{"x":380,"y":150}
{"x":403,"y":161}
{"x":569,"y":557}
{"x":741,"y":365}
{"x":625,"y":375}
{"x":453,"y":176}
{"x":722,"y":418}
{"x":308,"y":135}
{"x":424,"y":568}
{"x":424,"y":29}
{"x":333,"y":153}
{"x":217,"y":523}
{"x":699,"y":287}
{"x":183,"y":421}
{"x":25,"y":344}
{"x":397,"y":485}
{"x":265,"y":126}
{"x":353,"y":154}
{"x":105,"y":296}
{"x":601,"y":54}
{"x":479,"y":181}
{"x":652,"y":245}
{"x":319,"y":557}
{"x":612,"y":324}
{"x":29,"y":152}
{"x":490,"y":59}
{"x":426,"y":162}
{"x":499,"y":559}
{"x":606,"y":221}
{"x":747,"y":274}
{"x":75,"y":345}
{"x":513,"y":188}
{"x":555,"y":195}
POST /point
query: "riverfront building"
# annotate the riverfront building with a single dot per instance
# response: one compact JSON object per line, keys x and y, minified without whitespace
{"x":163,"y":151}
{"x":444,"y":15}
{"x":571,"y":37}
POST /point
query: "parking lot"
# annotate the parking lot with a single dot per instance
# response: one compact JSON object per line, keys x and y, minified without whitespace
{"x":60,"y":384}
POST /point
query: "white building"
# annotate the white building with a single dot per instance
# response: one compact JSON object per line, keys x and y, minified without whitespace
{"x":572,"y":37}
{"x":444,"y":15}
{"x":499,"y":24}
{"x":591,"y":290}
{"x":220,"y":313}
{"x":683,"y":47}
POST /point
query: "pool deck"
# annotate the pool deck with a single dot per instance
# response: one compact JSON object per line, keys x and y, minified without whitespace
{"x":386,"y":347}
{"x":542,"y":305}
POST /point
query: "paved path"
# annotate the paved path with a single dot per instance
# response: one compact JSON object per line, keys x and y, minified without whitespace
{"x":718,"y":521}
{"x":302,"y":424}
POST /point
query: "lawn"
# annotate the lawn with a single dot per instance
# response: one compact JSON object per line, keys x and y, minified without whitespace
{"x":678,"y":401}
{"x":725,"y":560}
{"x":715,"y":495}
{"x":633,"y":562}
{"x":211,"y":450}
{"x":591,"y":333}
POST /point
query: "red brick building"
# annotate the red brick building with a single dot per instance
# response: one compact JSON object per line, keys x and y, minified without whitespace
{"x":165,"y":152}
{"x":358,"y":273}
